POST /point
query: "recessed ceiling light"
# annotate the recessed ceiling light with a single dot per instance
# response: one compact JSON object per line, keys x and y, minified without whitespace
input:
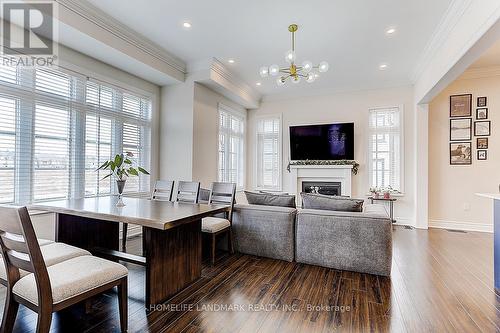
{"x":390,"y":31}
{"x":186,"y":25}
{"x":258,"y":84}
{"x":231,"y":61}
{"x":383,"y":67}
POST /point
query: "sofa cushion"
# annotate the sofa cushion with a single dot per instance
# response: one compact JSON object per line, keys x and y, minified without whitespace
{"x":326,"y":202}
{"x":268,"y":199}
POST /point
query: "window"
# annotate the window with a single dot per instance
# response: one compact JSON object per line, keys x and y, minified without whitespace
{"x":57,"y":127}
{"x":385,"y":135}
{"x":268,"y":153}
{"x":231,"y":146}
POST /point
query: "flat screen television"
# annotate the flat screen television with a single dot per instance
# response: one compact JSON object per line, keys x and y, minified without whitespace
{"x":322,"y":142}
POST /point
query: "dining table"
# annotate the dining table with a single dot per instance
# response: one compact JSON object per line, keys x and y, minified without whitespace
{"x":171,"y":232}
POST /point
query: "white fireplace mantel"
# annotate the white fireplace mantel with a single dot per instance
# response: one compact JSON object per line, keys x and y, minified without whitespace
{"x":326,"y":173}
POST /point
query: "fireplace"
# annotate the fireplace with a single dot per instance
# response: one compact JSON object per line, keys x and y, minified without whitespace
{"x":326,"y":188}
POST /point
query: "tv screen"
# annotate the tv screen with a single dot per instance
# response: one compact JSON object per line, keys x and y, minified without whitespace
{"x":322,"y":142}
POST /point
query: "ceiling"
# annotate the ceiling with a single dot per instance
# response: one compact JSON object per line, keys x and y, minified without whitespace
{"x":349,"y":34}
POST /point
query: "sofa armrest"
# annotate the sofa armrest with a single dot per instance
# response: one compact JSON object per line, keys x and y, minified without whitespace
{"x":266,"y":231}
{"x":360,"y":241}
{"x":275,"y":209}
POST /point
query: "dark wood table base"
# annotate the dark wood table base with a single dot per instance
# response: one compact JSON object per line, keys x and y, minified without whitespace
{"x":172,"y":257}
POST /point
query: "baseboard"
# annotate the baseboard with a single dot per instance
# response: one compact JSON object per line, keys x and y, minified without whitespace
{"x":404,"y":221}
{"x":465,"y":226}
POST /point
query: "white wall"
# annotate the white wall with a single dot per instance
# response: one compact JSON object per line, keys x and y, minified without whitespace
{"x":452,"y":200}
{"x":205,"y":131}
{"x":345,"y":107}
{"x":176,"y":131}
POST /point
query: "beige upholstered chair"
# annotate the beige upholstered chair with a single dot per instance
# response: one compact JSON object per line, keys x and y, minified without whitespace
{"x":52,"y":253}
{"x":188,"y":192}
{"x":50,"y":289}
{"x":221,"y":193}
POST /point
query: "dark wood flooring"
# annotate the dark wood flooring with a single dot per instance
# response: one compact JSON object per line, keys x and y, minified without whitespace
{"x":442,"y":281}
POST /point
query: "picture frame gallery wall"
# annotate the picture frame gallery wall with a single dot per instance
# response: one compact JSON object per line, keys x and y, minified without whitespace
{"x":463,"y":128}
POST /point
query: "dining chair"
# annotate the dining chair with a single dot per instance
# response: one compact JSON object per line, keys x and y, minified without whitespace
{"x":188,"y":192}
{"x":162,"y":191}
{"x":221,"y":193}
{"x":50,"y":289}
{"x":204,"y":195}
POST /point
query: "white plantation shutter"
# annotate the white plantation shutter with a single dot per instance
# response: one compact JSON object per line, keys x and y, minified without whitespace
{"x":8,"y":108}
{"x":231,"y":146}
{"x":268,"y":169}
{"x":57,"y":127}
{"x":385,"y":136}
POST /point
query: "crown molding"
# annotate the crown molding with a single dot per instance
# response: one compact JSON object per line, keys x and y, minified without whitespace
{"x":121,"y":31}
{"x":452,"y":16}
{"x":236,"y":82}
{"x":480,"y":73}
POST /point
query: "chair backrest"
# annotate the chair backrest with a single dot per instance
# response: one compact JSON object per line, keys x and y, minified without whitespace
{"x":163,"y":190}
{"x":20,"y":250}
{"x":204,"y":195}
{"x":223,"y":194}
{"x":188,"y":192}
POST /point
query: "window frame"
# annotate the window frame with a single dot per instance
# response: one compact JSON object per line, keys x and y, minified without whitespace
{"x":256,"y":182}
{"x":221,"y":107}
{"x":27,"y":98}
{"x":401,"y":110}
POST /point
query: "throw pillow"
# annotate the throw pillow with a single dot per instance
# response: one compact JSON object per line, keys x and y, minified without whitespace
{"x":326,"y":202}
{"x":267,"y":199}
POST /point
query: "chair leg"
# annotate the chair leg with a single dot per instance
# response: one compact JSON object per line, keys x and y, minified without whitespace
{"x":213,"y":249}
{"x":230,"y":239}
{"x":124,"y":236}
{"x":44,"y":320}
{"x":9,"y":314}
{"x":123,"y":304}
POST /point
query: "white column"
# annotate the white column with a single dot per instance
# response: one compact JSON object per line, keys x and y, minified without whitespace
{"x":421,"y":180}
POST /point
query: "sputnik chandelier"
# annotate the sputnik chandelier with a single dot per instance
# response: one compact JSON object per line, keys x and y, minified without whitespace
{"x":294,"y":72}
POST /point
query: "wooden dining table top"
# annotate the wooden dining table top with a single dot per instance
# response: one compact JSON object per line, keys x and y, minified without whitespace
{"x":140,"y":211}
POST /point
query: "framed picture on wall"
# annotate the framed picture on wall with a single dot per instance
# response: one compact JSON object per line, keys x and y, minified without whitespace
{"x":460,"y":153}
{"x":482,"y":155}
{"x":461,"y":105}
{"x":481,"y":102}
{"x":482,"y":113}
{"x":482,"y":143}
{"x":482,"y":128}
{"x":460,"y":129}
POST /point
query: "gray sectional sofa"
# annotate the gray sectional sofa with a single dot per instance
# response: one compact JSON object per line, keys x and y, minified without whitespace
{"x":354,"y":241}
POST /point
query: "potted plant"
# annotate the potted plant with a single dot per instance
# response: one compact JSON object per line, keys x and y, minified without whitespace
{"x":122,"y":167}
{"x":375,"y":192}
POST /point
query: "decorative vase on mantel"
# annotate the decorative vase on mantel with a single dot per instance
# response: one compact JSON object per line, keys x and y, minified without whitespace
{"x":121,"y":186}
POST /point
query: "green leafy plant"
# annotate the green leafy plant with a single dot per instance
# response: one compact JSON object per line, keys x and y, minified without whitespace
{"x":122,"y":167}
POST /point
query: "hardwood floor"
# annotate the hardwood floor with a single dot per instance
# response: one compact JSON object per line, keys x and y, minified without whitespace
{"x":442,"y":281}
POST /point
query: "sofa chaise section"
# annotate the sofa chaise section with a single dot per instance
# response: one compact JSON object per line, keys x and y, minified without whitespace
{"x":266,"y":231}
{"x":360,"y":242}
